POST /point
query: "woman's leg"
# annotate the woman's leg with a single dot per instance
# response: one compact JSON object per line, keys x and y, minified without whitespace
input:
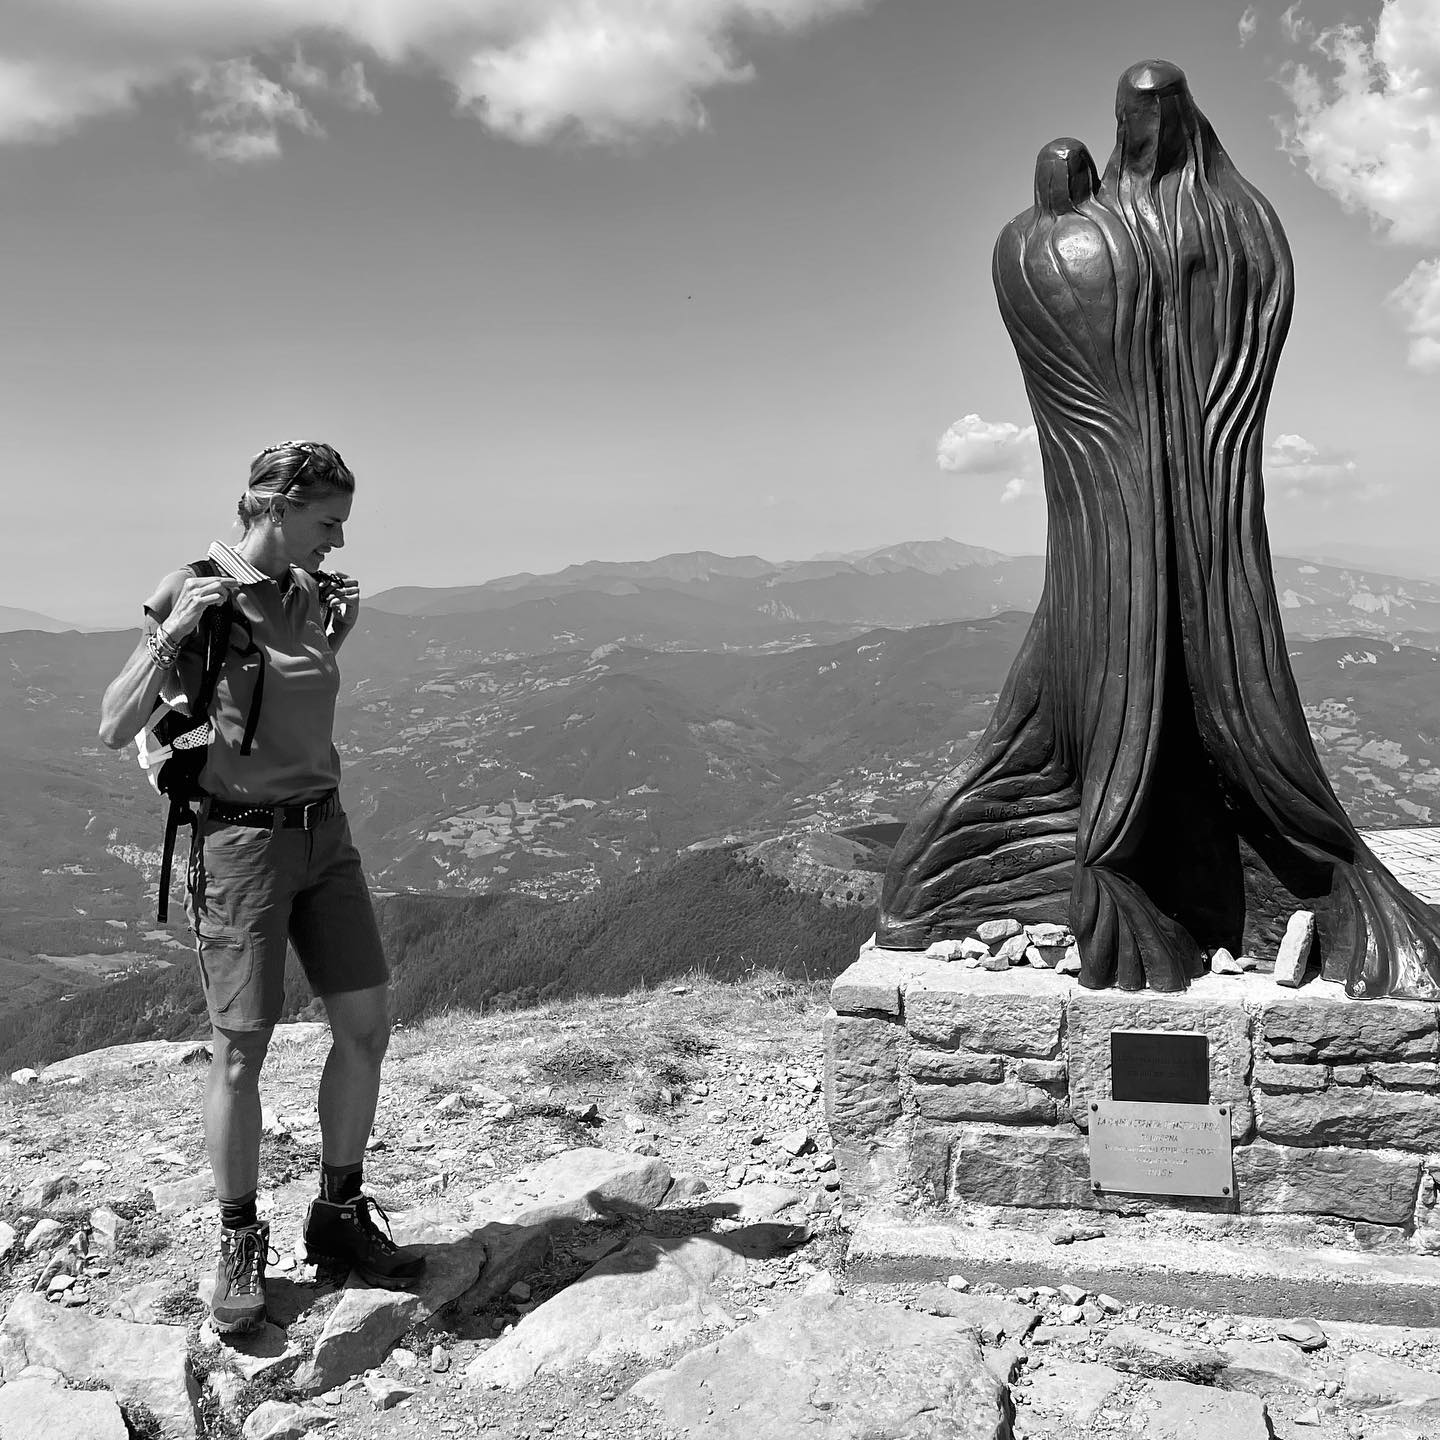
{"x":350,"y":1083}
{"x":232,"y":1109}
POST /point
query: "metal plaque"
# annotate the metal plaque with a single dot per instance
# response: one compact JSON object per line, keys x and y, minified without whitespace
{"x":1170,"y":1067}
{"x":1148,"y":1149}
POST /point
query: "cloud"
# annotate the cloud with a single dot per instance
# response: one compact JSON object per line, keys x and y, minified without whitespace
{"x":532,"y":70}
{"x":1295,"y":26}
{"x":1296,"y":469}
{"x":1368,"y":128}
{"x":348,"y":85}
{"x":972,"y":446}
{"x":1417,"y":300}
{"x":1248,"y":21}
{"x":242,"y":112}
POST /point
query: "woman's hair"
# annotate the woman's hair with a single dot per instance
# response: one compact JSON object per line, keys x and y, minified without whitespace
{"x":297,"y":471}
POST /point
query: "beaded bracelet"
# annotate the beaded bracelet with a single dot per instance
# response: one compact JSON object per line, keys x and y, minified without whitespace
{"x":164,"y":648}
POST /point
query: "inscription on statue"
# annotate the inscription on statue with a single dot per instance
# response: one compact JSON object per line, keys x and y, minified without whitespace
{"x":1149,"y":1149}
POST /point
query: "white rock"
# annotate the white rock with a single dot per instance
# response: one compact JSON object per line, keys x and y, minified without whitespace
{"x":796,"y":1142}
{"x":1222,"y":962}
{"x":1014,"y":949}
{"x":1045,"y":935}
{"x":385,"y":1392}
{"x":38,"y":1409}
{"x":1069,"y":962}
{"x":957,"y":1282}
{"x":25,"y":1076}
{"x":945,"y":950}
{"x":44,"y":1233}
{"x":279,"y":1420}
{"x":404,"y":1359}
{"x":973,"y":947}
{"x":992,"y":930}
{"x":1295,"y":949}
{"x":8,"y":1238}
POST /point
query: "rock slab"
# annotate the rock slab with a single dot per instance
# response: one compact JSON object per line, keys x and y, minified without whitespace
{"x":40,"y":1410}
{"x":834,"y":1366}
{"x":143,"y":1364}
{"x":641,"y":1300}
{"x":1175,"y":1410}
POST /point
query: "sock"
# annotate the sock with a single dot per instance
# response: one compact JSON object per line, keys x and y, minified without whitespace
{"x":339,"y":1184}
{"x":238,"y":1214}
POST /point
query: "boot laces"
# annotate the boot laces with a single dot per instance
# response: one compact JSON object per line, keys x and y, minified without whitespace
{"x":383,"y":1240}
{"x":247,"y":1256}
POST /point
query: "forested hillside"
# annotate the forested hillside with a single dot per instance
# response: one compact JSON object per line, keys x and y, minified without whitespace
{"x":708,"y":910}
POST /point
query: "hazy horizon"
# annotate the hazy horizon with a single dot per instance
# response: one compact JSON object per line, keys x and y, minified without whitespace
{"x":571,"y":284}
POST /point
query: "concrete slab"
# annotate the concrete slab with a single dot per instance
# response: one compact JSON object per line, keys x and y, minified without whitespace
{"x":1149,"y":1264}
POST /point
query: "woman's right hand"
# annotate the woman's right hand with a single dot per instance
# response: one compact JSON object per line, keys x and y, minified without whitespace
{"x":197,"y":595}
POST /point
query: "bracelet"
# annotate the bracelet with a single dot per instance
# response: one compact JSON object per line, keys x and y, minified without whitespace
{"x":163,"y":647}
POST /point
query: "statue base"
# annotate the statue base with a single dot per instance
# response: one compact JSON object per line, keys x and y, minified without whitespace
{"x":957,"y":1092}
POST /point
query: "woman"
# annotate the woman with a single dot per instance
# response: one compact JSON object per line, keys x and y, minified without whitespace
{"x":274,"y":859}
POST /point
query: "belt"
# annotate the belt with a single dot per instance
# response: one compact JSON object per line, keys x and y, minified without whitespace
{"x":276,"y":817}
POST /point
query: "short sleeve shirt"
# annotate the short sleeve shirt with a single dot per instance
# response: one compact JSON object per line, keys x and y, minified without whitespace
{"x":292,"y":756}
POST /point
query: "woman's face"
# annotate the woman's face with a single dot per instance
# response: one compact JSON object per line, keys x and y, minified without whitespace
{"x":312,"y":529}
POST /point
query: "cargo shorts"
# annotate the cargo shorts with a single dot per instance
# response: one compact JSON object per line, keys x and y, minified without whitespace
{"x":251,"y":891}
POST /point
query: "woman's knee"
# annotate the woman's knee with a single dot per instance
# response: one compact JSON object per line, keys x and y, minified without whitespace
{"x":237,"y":1056}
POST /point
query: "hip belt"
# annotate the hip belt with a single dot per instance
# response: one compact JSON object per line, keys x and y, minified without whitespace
{"x":276,"y":817}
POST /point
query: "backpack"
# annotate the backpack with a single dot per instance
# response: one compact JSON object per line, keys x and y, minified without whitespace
{"x":173,"y":744}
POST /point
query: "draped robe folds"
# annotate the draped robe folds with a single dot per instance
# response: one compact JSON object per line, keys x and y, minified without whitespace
{"x":1148,"y":775}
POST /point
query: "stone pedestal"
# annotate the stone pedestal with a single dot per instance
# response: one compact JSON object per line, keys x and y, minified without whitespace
{"x":949,"y":1088}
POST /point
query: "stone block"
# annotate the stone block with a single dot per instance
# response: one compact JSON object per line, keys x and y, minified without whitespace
{"x":1403,"y":1120}
{"x":952,"y":1067}
{"x":1405,"y":1075}
{"x":1348,"y":1075}
{"x":872,"y":985}
{"x":1351,"y":1184}
{"x":862,"y":1075}
{"x":1032,"y":1167}
{"x":1322,"y":1024}
{"x":1041,"y":1072}
{"x":930,"y":1150}
{"x":1009,"y":1103}
{"x":995,"y":1012}
{"x":1285,"y":1079}
{"x":1211,"y":1005}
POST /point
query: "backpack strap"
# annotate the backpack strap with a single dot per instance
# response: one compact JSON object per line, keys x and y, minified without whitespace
{"x":216,"y":625}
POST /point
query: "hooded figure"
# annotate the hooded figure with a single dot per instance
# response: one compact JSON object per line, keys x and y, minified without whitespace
{"x":1148,"y":772}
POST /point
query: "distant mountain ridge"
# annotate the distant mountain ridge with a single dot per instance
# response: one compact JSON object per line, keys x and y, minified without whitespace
{"x":12,"y":618}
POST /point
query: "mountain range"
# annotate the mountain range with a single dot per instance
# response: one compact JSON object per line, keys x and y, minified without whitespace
{"x":547,"y":735}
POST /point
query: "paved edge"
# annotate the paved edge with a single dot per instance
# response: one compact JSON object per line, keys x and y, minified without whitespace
{"x":1159,"y":1270}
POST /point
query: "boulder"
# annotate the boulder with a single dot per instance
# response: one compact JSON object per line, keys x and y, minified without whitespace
{"x":759,"y":1201}
{"x":642,"y":1300}
{"x":1067,"y":1388}
{"x":41,"y":1410}
{"x":1175,"y":1410}
{"x":280,"y":1420}
{"x":360,"y":1330}
{"x":1263,"y":1367}
{"x":143,"y":1055}
{"x":1393,"y":1390}
{"x":1159,"y":1356}
{"x":573,"y":1187}
{"x":42,"y":1193}
{"x":868,"y":1369}
{"x":992,"y":1315}
{"x":141,"y":1364}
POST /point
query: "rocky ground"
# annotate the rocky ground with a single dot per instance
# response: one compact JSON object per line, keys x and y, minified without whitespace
{"x":634,"y":1229}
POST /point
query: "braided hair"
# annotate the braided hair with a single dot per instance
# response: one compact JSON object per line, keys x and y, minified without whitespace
{"x":295,"y":470}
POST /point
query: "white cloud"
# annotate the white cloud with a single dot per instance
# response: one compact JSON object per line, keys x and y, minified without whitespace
{"x":348,"y":85}
{"x":599,"y":70}
{"x":1297,"y":469}
{"x":1417,"y":300}
{"x":1295,"y":26}
{"x":242,"y":112}
{"x":1248,"y":21}
{"x":972,"y":446}
{"x":1368,"y":129}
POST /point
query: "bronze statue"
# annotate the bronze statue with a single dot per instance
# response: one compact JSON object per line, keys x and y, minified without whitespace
{"x":1148,"y":773}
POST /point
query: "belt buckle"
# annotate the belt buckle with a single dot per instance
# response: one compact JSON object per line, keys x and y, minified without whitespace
{"x":310,"y":815}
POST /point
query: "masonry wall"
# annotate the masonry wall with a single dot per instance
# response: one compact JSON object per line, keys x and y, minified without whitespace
{"x":951,"y":1087}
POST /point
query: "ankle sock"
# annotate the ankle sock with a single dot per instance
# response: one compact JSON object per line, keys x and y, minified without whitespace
{"x":240,"y":1213}
{"x":339,"y":1184}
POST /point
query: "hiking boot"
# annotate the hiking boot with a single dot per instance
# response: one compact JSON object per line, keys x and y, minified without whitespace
{"x":347,"y":1235}
{"x":238,"y":1303}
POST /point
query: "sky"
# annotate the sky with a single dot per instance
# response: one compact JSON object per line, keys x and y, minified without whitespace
{"x":605,"y":279}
